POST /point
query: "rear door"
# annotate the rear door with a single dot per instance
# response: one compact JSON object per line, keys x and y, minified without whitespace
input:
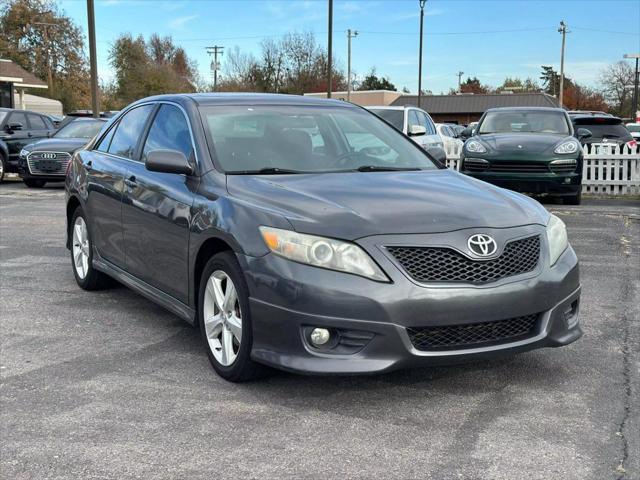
{"x":39,"y":127}
{"x":106,"y":166}
{"x":156,"y":215}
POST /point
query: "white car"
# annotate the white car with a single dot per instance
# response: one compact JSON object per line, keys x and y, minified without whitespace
{"x":413,"y":122}
{"x":634,"y":129}
{"x":449,"y":137}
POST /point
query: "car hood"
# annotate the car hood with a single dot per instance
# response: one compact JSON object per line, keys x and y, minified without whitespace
{"x":521,"y":143}
{"x":68,"y":145}
{"x":355,"y":205}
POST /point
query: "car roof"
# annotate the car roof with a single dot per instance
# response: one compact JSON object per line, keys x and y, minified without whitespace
{"x":594,"y":116}
{"x":527,"y":109}
{"x":26,"y":111}
{"x":246,"y":98}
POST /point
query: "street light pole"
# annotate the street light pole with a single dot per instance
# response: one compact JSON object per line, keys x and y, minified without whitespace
{"x":93,"y":62}
{"x":634,"y":103}
{"x":330,"y":50}
{"x":350,"y":35}
{"x":563,"y":31}
{"x":422,"y":2}
{"x":459,"y":74}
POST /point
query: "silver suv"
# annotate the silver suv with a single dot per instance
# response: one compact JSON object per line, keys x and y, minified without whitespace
{"x":413,"y":122}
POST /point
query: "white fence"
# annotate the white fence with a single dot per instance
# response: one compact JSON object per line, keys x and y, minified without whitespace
{"x":607,"y":169}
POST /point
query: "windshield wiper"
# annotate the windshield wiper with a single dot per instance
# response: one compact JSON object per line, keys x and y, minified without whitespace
{"x":378,"y":168}
{"x":264,"y":171}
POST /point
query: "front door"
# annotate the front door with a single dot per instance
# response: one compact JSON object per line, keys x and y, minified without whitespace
{"x":156,"y":214}
{"x":18,"y":138}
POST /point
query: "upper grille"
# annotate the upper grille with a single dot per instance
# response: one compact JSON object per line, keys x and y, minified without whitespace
{"x":452,"y":337}
{"x":435,"y":264}
{"x":55,"y":164}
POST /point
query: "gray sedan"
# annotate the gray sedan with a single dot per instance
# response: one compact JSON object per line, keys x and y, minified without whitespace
{"x":311,"y":236}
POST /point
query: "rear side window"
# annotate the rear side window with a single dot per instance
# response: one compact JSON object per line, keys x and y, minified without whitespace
{"x":128,"y":132}
{"x":37,"y":122}
{"x":169,"y":131}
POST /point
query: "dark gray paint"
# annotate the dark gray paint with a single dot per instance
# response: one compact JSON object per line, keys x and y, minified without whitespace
{"x":167,"y":219}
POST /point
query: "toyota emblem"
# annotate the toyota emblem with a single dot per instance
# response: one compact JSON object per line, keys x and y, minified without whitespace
{"x":482,"y":245}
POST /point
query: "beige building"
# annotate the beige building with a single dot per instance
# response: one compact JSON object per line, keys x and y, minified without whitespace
{"x":364,"y":98}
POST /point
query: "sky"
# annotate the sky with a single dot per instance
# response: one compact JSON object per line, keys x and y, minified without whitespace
{"x":488,"y":39}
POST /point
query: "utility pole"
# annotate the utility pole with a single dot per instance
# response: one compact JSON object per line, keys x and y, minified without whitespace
{"x":459,"y":74}
{"x":215,"y":66}
{"x":350,"y":35}
{"x":330,"y":50}
{"x":422,"y":2}
{"x":95,"y":101}
{"x":563,"y":30}
{"x":634,"y":103}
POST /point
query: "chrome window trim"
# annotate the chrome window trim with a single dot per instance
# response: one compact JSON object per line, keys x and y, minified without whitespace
{"x":152,"y":102}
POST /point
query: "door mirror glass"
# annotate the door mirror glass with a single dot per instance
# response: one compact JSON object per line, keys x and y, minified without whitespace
{"x":583,"y":133}
{"x":168,"y":161}
{"x":416,"y":130}
{"x":466,"y":133}
{"x":438,"y":154}
{"x":14,"y":126}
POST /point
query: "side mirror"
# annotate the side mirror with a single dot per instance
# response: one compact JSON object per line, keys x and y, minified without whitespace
{"x":14,"y":126}
{"x":466,"y":133}
{"x":168,"y":161}
{"x":438,"y":154}
{"x":416,"y":130}
{"x":583,"y":133}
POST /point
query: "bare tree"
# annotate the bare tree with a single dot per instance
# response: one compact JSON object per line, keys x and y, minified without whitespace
{"x":616,"y":80}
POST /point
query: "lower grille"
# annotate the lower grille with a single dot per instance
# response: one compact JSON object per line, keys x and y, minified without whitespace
{"x":436,"y":264}
{"x":48,"y":163}
{"x":522,"y":167}
{"x":474,"y":335}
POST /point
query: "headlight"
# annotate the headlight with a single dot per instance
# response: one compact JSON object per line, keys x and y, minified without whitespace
{"x":24,"y":153}
{"x":570,"y":146}
{"x":475,"y":147}
{"x":557,"y":238}
{"x":322,"y":252}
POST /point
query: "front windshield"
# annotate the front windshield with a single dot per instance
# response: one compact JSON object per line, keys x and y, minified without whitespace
{"x":307,"y":139}
{"x":394,"y":117}
{"x":80,"y":129}
{"x":525,"y":122}
{"x":2,"y":115}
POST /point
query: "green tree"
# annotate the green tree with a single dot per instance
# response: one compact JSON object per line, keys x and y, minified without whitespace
{"x":550,"y":80}
{"x":41,"y":39}
{"x":373,"y":82}
{"x":473,"y":85}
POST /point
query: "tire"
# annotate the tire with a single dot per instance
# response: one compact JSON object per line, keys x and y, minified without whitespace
{"x":2,"y":168}
{"x":573,"y":199}
{"x":233,"y":364}
{"x":31,"y":183}
{"x":87,"y":277}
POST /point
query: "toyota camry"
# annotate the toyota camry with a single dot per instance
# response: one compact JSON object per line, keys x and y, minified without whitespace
{"x":309,"y":235}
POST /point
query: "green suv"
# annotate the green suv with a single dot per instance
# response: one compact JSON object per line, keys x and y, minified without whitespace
{"x":527,"y":149}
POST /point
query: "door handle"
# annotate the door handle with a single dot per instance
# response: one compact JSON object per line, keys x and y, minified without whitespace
{"x":29,"y":135}
{"x":131,"y":181}
{"x":88,"y":165}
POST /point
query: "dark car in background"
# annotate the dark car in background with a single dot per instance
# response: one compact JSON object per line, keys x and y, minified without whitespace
{"x":604,"y":128}
{"x":527,"y":149}
{"x":47,"y":160}
{"x":17,"y":129}
{"x":273,"y":223}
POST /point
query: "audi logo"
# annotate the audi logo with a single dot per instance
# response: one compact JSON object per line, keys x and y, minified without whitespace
{"x":49,"y":156}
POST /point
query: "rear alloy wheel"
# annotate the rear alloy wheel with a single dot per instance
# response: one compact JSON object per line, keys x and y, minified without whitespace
{"x":225,"y":319}
{"x":31,"y":183}
{"x":87,"y":277}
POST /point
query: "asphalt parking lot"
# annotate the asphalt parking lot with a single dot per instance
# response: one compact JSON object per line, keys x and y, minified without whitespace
{"x":108,"y":385}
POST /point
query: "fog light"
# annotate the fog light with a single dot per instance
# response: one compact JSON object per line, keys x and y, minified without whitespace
{"x":320,"y":336}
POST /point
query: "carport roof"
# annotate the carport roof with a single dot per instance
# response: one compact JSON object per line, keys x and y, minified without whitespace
{"x":476,"y":103}
{"x":14,"y":73}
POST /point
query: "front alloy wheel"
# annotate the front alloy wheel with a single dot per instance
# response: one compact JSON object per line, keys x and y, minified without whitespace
{"x":80,"y":248}
{"x":222,"y":318}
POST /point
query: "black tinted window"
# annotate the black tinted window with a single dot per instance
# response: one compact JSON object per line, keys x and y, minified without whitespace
{"x":128,"y":132}
{"x":19,"y":117}
{"x":169,"y":131}
{"x":37,"y":122}
{"x":599,"y":130}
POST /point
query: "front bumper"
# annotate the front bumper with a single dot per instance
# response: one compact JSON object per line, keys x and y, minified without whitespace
{"x":25,"y":172}
{"x":550,"y":183}
{"x":287,"y":298}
